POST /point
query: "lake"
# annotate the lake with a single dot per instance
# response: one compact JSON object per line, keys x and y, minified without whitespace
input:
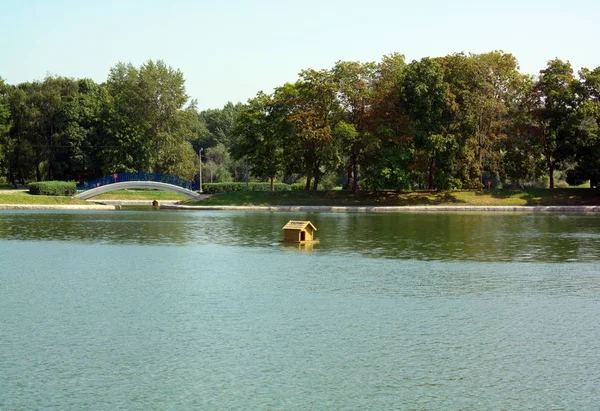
{"x":143,"y":310}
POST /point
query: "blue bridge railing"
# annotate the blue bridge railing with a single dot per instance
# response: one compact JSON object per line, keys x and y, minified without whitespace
{"x":121,"y":177}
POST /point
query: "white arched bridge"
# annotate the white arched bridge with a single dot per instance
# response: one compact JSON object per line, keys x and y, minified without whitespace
{"x":126,"y":181}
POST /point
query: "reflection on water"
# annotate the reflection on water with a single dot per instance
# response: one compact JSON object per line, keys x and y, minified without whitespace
{"x":472,"y":237}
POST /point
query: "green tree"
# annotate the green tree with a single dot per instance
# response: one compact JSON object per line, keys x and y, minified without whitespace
{"x":220,"y":124}
{"x":389,"y":156}
{"x":77,"y":127}
{"x":151,"y":99}
{"x":37,"y":109}
{"x":217,"y":164}
{"x":121,"y":143}
{"x":483,"y":88}
{"x":587,"y":153}
{"x":259,"y":137}
{"x":312,"y":110}
{"x":427,"y":101}
{"x":4,"y":129}
{"x":553,"y":123}
{"x":356,"y":94}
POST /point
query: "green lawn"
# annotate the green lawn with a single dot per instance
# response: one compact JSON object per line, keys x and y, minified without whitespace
{"x":568,"y":196}
{"x":561,"y":196}
{"x":20,"y":197}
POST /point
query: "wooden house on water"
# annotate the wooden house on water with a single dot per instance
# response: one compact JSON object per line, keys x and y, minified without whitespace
{"x":302,"y":232}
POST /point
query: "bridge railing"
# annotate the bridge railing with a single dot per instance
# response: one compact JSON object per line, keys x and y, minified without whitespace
{"x":122,"y":177}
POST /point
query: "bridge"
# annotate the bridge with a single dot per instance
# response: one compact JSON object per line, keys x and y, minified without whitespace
{"x":123,"y":181}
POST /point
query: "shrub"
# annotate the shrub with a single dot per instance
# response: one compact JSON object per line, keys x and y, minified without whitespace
{"x":218,"y":188}
{"x":53,"y":188}
{"x":298,"y":186}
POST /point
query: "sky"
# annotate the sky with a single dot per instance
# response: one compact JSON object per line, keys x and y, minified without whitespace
{"x":230,"y":50}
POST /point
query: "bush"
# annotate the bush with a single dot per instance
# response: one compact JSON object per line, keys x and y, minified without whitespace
{"x":53,"y":188}
{"x":218,"y":188}
{"x":298,"y":186}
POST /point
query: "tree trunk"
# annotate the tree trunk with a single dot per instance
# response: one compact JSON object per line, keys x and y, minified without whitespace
{"x":355,"y":174}
{"x":551,"y":172}
{"x":316,"y":175}
{"x":307,"y":186}
{"x":272,"y":184}
{"x":38,"y":173}
{"x":430,"y":178}
{"x":316,"y":182}
{"x":348,"y":178}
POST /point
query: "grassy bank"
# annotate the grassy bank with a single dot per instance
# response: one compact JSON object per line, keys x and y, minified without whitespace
{"x":569,"y":196}
{"x":20,"y":197}
{"x":566,"y":196}
{"x":8,"y":196}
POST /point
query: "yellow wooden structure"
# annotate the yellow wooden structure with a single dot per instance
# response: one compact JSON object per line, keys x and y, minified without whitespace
{"x":302,"y":232}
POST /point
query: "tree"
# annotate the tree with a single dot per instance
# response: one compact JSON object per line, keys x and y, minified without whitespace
{"x":587,"y":154}
{"x":390,"y":153}
{"x":150,"y":99}
{"x":217,"y":164}
{"x":259,"y":137}
{"x":553,"y":115}
{"x":311,"y":109}
{"x":483,"y":87}
{"x":355,"y":93}
{"x":77,"y":127}
{"x":427,"y":101}
{"x":220,"y":124}
{"x":37,"y":109}
{"x":4,"y":129}
{"x":121,"y":143}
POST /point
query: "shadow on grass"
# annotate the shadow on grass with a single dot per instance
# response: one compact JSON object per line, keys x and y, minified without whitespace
{"x":414,"y":198}
{"x":333,"y":198}
{"x":547,"y":197}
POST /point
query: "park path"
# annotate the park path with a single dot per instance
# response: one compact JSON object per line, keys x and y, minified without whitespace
{"x":13,"y":191}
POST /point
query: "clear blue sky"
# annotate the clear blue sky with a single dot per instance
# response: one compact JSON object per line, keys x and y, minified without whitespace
{"x":229,"y":50}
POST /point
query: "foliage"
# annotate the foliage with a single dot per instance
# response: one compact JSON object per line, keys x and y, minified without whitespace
{"x":429,"y":104}
{"x":216,"y":188}
{"x":151,"y":99}
{"x":455,"y":121}
{"x":4,"y":127}
{"x":53,"y":188}
{"x":587,"y":152}
{"x":259,"y":137}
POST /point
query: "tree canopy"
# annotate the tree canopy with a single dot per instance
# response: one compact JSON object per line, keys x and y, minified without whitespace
{"x":457,"y":121}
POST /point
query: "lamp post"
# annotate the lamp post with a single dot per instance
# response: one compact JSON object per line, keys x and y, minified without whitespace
{"x":200,"y":167}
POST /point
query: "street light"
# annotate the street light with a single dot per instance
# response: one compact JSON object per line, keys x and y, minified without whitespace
{"x":200,"y":163}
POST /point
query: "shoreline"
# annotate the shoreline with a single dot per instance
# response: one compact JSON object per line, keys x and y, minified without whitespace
{"x":117,"y":205}
{"x":58,"y":207}
{"x":397,"y":209}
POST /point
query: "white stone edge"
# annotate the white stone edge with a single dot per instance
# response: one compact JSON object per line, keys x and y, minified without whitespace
{"x":398,"y":209}
{"x":58,"y":207}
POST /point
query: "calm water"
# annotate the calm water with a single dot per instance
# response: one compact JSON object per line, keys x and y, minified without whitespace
{"x":207,"y":310}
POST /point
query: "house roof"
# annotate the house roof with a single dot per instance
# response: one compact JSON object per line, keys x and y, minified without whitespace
{"x":298,"y":225}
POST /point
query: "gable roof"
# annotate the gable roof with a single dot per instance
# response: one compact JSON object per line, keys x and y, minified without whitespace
{"x":298,"y":225}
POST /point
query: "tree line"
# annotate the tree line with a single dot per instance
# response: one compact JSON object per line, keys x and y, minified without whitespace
{"x":452,"y":122}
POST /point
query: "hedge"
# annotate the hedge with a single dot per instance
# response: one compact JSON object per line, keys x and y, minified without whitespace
{"x":218,"y":188}
{"x":53,"y":188}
